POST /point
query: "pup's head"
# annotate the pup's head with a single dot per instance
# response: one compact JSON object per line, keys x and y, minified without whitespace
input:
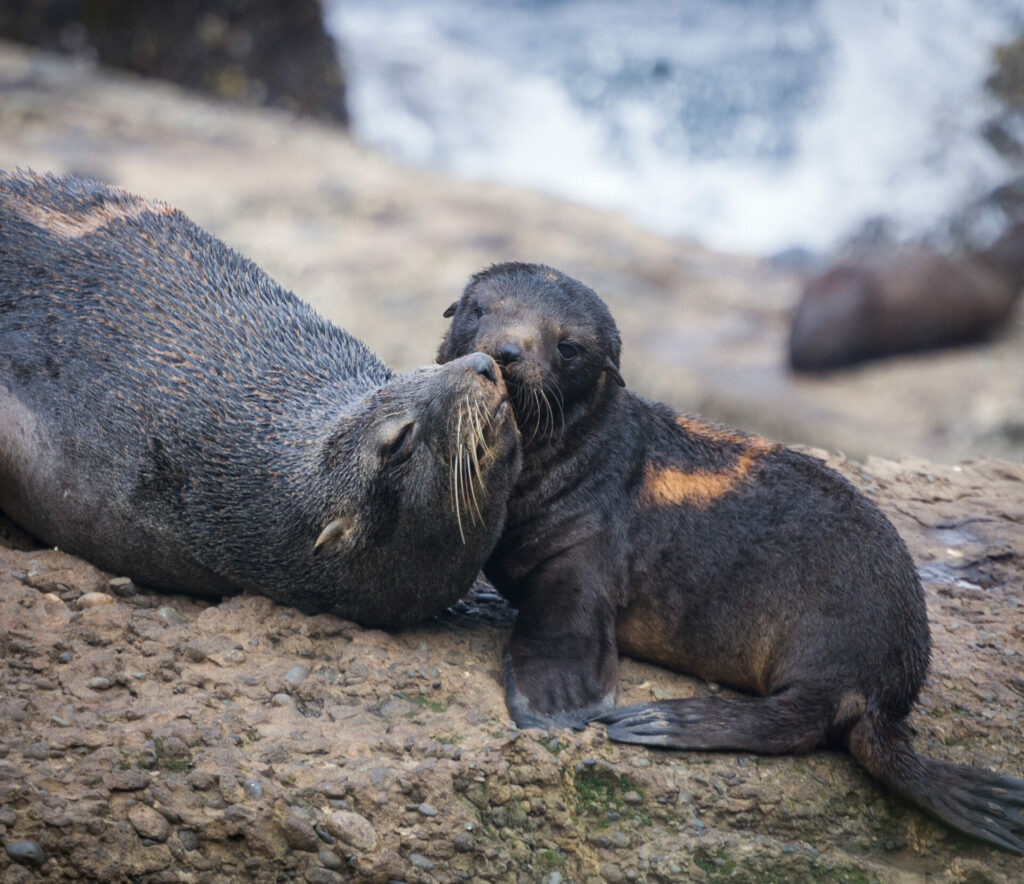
{"x":553,"y":337}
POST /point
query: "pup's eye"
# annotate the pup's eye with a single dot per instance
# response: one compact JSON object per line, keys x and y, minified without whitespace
{"x":568,"y":351}
{"x":401,"y":445}
{"x":477,"y":311}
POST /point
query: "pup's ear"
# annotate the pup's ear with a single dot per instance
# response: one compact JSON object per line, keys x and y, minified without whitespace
{"x":613,"y":370}
{"x":450,"y":312}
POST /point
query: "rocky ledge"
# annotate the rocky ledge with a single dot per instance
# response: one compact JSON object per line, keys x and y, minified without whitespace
{"x":157,"y":738}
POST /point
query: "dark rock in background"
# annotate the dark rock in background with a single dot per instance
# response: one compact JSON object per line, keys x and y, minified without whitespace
{"x":255,"y":51}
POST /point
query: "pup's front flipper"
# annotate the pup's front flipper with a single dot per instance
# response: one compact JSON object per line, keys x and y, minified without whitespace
{"x":561,"y":668}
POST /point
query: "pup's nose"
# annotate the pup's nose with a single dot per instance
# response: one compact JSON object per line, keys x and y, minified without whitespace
{"x":509,"y":353}
{"x":481,"y":363}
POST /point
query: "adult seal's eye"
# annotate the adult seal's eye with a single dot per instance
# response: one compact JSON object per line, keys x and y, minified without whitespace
{"x":568,"y":351}
{"x":477,"y":311}
{"x":402,"y":444}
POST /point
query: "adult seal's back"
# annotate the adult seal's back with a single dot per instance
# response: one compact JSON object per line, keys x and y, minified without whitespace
{"x":171,"y":413}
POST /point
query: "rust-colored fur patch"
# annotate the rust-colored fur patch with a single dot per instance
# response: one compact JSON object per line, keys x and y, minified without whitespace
{"x":672,"y":486}
{"x":69,"y":225}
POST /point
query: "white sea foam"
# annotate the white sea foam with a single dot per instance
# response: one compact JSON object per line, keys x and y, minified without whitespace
{"x":751,"y":125}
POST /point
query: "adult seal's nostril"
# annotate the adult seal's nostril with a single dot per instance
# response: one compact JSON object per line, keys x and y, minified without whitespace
{"x":509,"y":353}
{"x":481,"y":363}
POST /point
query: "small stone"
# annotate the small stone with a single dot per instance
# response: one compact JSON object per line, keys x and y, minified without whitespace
{"x":127,"y":780}
{"x":352,"y":829}
{"x":427,"y":809}
{"x":632,"y":798}
{"x":122,"y":586}
{"x":328,"y":859}
{"x":554,"y":878}
{"x":612,"y":873}
{"x":420,"y":862}
{"x":148,"y":822}
{"x":93,"y":600}
{"x":171,"y":616}
{"x":66,"y":657}
{"x":296,"y":674}
{"x":38,"y":751}
{"x":253,"y":789}
{"x":299,"y":834}
{"x":323,"y":835}
{"x":281,"y":699}
{"x":100,"y":683}
{"x":189,"y":840}
{"x":234,"y":656}
{"x":463,"y":842}
{"x":27,"y":853}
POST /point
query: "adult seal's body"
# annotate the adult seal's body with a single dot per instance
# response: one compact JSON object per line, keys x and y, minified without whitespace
{"x":171,"y":413}
{"x":712,"y":552}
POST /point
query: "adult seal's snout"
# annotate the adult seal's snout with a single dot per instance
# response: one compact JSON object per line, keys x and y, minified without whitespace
{"x":482,"y":364}
{"x":172,"y":414}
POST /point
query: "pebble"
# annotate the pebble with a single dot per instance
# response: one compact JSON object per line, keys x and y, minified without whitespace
{"x":189,"y":840}
{"x":281,"y":699}
{"x":352,"y":829}
{"x":100,"y":683}
{"x":28,"y":853}
{"x":66,"y":657}
{"x":328,"y":859}
{"x":253,"y":789}
{"x":127,"y":780}
{"x":612,"y":873}
{"x":122,"y":586}
{"x":323,"y":835}
{"x":427,"y":809}
{"x":38,"y":751}
{"x":148,"y":823}
{"x":419,"y":861}
{"x":93,"y":600}
{"x":296,"y":674}
{"x":299,"y":834}
{"x":171,"y":615}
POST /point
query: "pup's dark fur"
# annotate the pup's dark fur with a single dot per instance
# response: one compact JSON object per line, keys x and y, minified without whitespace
{"x":171,"y":413}
{"x":635,"y":528}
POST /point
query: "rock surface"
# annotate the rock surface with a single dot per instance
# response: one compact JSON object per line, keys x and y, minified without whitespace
{"x":143,"y":738}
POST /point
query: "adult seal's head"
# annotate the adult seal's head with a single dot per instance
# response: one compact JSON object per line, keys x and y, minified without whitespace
{"x":171,"y":413}
{"x":554,"y":338}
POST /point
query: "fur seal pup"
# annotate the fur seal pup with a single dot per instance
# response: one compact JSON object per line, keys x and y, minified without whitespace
{"x":635,"y":528}
{"x":171,"y":413}
{"x":898,"y":302}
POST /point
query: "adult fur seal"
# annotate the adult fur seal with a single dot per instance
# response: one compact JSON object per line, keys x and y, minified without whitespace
{"x":897,"y":302}
{"x":171,"y":413}
{"x":706,"y":550}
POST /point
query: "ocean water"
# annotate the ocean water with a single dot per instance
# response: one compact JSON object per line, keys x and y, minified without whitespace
{"x":753,"y":125}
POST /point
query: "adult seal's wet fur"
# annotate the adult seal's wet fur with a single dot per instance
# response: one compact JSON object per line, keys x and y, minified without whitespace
{"x":706,"y":550}
{"x":169,"y":412}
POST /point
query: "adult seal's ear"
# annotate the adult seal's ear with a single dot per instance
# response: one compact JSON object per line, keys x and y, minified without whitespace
{"x":450,"y":312}
{"x":613,"y":370}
